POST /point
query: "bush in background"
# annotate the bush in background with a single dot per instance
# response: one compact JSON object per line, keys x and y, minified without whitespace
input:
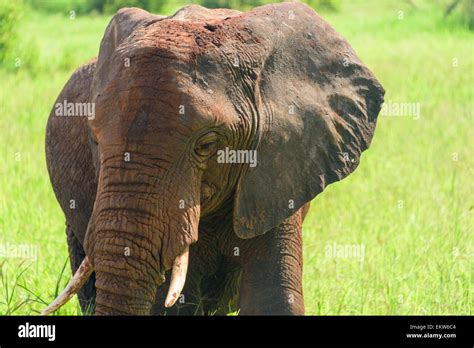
{"x":18,"y":47}
{"x":330,"y":5}
{"x":16,"y":50}
{"x":157,"y":6}
{"x":9,"y":19}
{"x":462,"y":10}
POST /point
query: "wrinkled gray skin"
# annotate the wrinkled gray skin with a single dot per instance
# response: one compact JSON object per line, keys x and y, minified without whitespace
{"x":169,"y":92}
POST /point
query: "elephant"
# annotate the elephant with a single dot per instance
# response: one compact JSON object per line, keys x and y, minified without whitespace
{"x":185,"y":190}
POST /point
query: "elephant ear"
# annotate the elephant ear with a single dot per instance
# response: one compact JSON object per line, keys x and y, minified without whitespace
{"x":318,"y":106}
{"x":121,"y":26}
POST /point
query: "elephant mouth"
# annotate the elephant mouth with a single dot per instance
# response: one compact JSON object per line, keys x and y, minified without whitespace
{"x":178,"y":278}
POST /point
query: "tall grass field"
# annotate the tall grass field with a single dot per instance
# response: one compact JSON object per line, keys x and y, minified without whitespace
{"x":394,"y":238}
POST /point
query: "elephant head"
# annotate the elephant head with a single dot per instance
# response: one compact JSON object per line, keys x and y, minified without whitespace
{"x":172,"y":93}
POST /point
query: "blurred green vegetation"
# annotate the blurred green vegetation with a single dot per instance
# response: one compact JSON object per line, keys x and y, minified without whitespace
{"x":94,"y":6}
{"x":157,"y":6}
{"x":462,"y":9}
{"x":15,"y":18}
{"x":9,"y":17}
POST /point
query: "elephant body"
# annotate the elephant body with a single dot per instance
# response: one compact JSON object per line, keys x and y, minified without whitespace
{"x":216,"y":283}
{"x":139,"y":183}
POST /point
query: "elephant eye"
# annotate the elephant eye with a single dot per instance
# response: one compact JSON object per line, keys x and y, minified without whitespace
{"x":207,"y":144}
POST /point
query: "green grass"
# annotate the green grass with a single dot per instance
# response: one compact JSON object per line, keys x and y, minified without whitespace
{"x":409,"y":204}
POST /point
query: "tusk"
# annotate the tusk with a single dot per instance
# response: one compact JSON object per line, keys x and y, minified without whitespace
{"x":75,"y":284}
{"x":178,"y":277}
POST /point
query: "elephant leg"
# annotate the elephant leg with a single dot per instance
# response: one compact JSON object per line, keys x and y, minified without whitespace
{"x":272,"y":269}
{"x":71,"y":169}
{"x":86,"y":294}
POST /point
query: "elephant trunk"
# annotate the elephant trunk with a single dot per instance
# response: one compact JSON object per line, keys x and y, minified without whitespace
{"x":115,"y":297}
{"x":123,"y":244}
{"x":110,"y":302}
{"x":134,"y":236}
